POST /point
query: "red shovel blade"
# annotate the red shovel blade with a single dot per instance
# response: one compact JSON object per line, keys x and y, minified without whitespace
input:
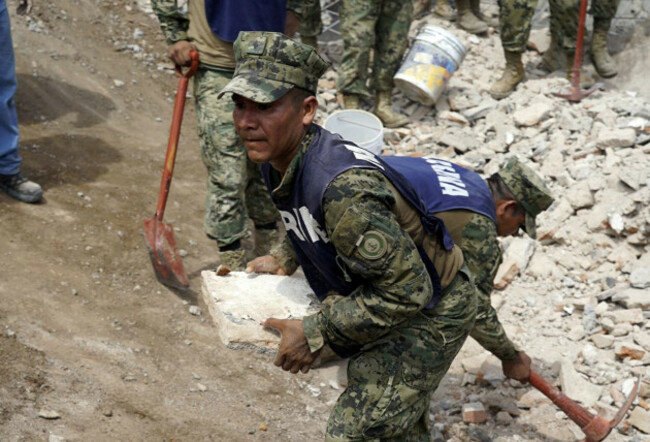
{"x":167,"y":263}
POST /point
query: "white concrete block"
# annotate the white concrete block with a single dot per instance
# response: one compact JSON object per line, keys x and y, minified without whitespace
{"x":239,"y":303}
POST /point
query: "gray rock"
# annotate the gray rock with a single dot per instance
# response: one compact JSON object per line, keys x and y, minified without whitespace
{"x":602,"y":341}
{"x":576,"y":387}
{"x":616,"y":138}
{"x":632,"y":298}
{"x":640,"y":418}
{"x":580,"y":196}
{"x":640,"y":278}
{"x":532,"y":114}
{"x":643,"y":339}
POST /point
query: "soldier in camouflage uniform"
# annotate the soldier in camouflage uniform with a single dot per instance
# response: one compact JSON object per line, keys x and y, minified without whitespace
{"x":380,"y":26}
{"x":235,"y":189}
{"x":378,"y":301}
{"x":519,"y":196}
{"x":515,"y":19}
{"x":603,"y":12}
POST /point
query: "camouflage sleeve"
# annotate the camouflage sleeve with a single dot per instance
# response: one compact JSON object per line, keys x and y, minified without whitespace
{"x":483,"y":256}
{"x":375,"y":249}
{"x":285,"y":255}
{"x":173,"y":19}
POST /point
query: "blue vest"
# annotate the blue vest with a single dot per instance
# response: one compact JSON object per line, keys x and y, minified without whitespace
{"x":328,"y":156}
{"x":227,"y":17}
{"x":446,"y":186}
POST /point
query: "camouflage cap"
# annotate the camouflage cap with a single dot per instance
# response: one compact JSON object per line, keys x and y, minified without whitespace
{"x":270,"y":64}
{"x":529,"y":190}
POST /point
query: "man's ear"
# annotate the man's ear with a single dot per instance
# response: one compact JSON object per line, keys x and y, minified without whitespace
{"x":309,"y":108}
{"x":505,"y":207}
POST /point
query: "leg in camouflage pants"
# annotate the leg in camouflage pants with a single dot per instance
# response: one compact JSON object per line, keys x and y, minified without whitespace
{"x":235,"y":187}
{"x":515,"y":20}
{"x":603,"y":12}
{"x":390,"y":382}
{"x":367,"y":24}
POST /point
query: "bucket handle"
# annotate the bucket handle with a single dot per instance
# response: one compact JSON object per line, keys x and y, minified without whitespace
{"x":345,"y":120}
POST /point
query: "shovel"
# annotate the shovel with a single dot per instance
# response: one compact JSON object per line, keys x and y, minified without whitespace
{"x":159,"y":236}
{"x":595,"y":428}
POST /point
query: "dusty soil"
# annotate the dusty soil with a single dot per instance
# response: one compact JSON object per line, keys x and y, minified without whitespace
{"x":85,"y":328}
{"x":87,"y":334}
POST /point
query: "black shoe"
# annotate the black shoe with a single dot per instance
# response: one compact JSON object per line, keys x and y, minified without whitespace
{"x":19,"y":187}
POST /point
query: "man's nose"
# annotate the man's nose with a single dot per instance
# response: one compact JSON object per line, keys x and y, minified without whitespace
{"x":245,"y":118}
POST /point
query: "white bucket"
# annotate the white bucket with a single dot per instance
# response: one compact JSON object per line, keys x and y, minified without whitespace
{"x":361,"y":127}
{"x":433,"y":58}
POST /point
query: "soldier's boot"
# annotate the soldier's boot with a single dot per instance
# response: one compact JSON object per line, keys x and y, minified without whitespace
{"x":234,"y":260}
{"x":265,"y":239}
{"x":309,"y":40}
{"x":512,"y":75}
{"x":553,"y":59}
{"x":586,"y":79}
{"x":467,"y":20}
{"x":444,"y":10}
{"x":475,"y":6}
{"x":351,"y":101}
{"x":385,"y":112}
{"x":603,"y":62}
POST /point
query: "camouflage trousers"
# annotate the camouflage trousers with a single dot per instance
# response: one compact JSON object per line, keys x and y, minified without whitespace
{"x":515,"y":17}
{"x":391,"y":381}
{"x":236,"y":190}
{"x":603,"y":12}
{"x":312,"y":24}
{"x":381,"y":25}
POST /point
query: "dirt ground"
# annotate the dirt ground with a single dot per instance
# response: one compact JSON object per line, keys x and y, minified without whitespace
{"x":86,"y":331}
{"x":92,"y":347}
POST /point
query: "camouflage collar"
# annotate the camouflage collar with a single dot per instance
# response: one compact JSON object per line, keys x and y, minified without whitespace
{"x":285,"y":186}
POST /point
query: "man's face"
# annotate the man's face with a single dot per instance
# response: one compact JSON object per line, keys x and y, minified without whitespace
{"x":509,"y":219}
{"x":271,"y":132}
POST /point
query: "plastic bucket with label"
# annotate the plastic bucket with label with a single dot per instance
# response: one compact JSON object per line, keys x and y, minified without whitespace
{"x":361,"y":127}
{"x":433,"y":58}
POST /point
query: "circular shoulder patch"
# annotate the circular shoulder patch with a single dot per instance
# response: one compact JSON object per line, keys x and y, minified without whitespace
{"x":373,"y":245}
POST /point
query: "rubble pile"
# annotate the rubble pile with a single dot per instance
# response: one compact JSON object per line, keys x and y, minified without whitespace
{"x":578,"y":299}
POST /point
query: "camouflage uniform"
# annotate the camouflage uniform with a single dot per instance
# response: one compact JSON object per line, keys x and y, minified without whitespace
{"x":405,"y":350}
{"x":235,"y":188}
{"x":515,"y":21}
{"x":603,"y":12}
{"x":382,"y":25}
{"x":402,"y":349}
{"x":476,"y":235}
{"x":311,"y":25}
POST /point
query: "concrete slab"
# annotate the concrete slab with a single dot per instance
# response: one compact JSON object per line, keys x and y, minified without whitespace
{"x":240,"y":302}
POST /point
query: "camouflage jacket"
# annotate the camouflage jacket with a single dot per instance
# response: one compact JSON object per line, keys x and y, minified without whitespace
{"x":396,"y":285}
{"x":477,"y":236}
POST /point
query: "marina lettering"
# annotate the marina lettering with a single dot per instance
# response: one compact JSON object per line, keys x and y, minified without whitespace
{"x":449,"y":179}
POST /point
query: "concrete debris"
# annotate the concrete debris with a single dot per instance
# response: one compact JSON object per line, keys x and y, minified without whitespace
{"x":474,"y":413}
{"x":640,"y":419}
{"x":575,"y":386}
{"x":629,"y":350}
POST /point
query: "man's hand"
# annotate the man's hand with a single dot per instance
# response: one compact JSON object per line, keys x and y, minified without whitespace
{"x":291,"y":24}
{"x":518,"y":368}
{"x":265,"y":264}
{"x":293,"y":354}
{"x":179,"y":52}
{"x":24,"y":7}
